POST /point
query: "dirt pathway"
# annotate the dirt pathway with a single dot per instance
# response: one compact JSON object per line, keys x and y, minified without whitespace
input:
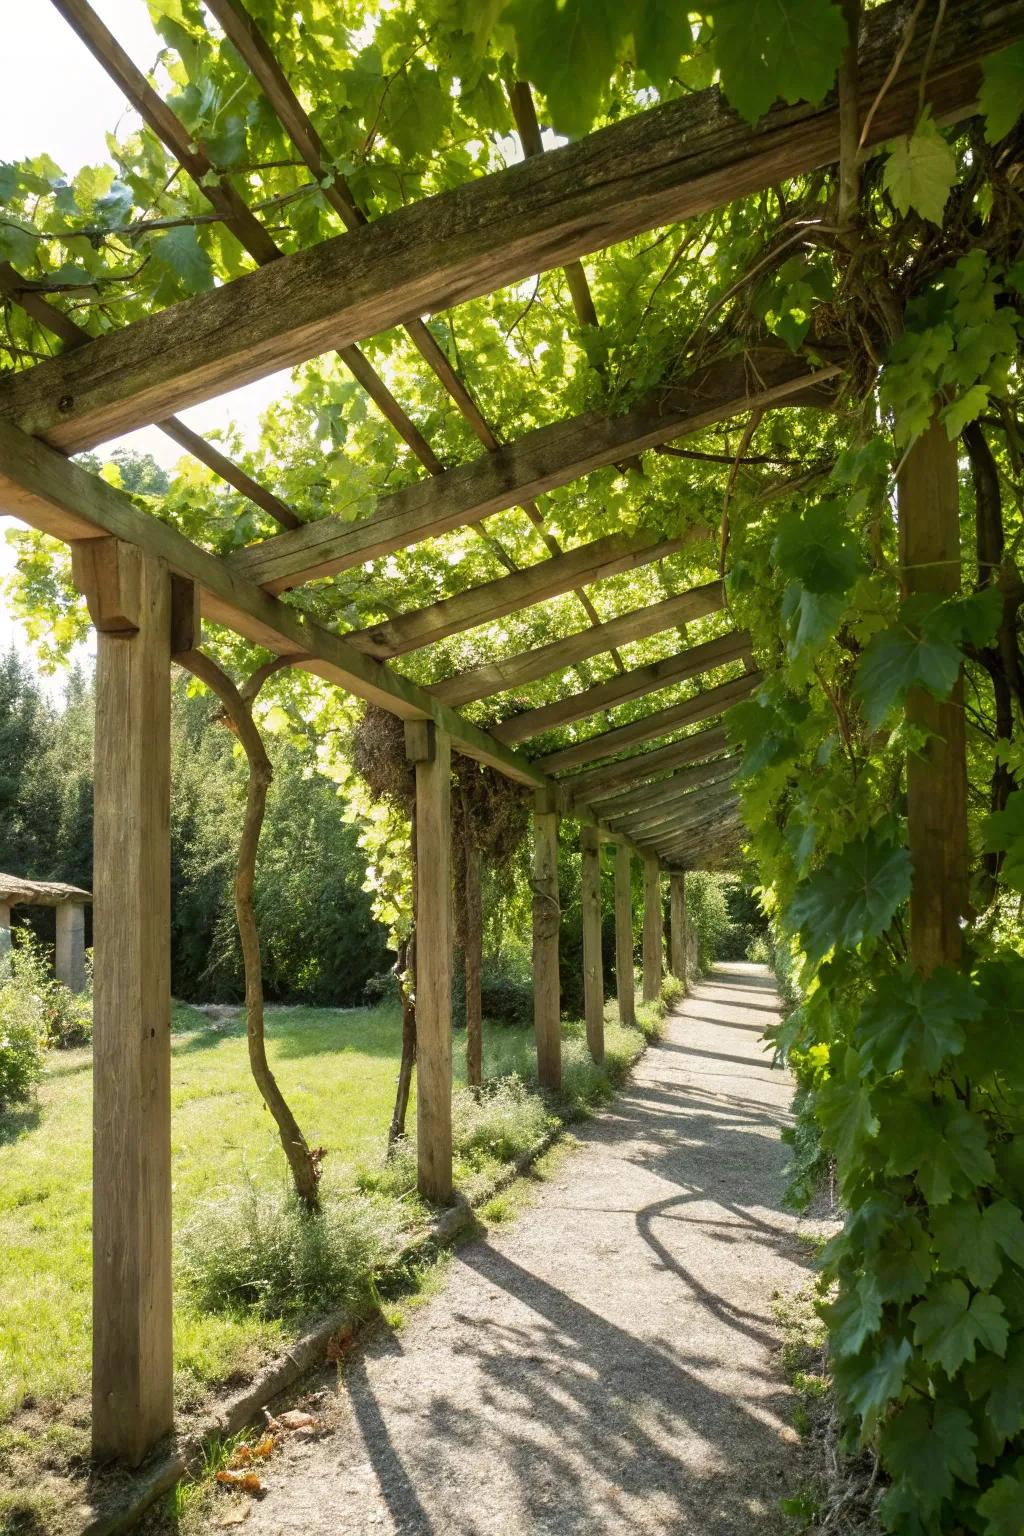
{"x":608,"y":1363}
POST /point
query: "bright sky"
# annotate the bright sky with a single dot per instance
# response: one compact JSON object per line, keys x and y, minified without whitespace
{"x":56,"y":98}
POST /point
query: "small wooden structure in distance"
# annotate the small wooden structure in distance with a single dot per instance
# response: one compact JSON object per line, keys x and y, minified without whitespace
{"x":70,"y":902}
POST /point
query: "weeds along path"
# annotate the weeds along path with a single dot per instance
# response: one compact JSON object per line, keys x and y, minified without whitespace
{"x":608,"y":1362}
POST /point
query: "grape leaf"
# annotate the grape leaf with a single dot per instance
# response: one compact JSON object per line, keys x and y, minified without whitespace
{"x":1002,"y":91}
{"x":868,"y":1382}
{"x":178,"y":251}
{"x":569,"y":51}
{"x":1000,"y":1384}
{"x":968,"y":407}
{"x":923,"y":649}
{"x":920,"y":171}
{"x":855,"y":1316}
{"x":852,"y":897}
{"x":817,"y":545}
{"x":1003,"y":1507}
{"x":971,"y":1240}
{"x":844,"y":1110}
{"x":944,"y":1146}
{"x":929,"y":1444}
{"x":771,"y":48}
{"x":1003,"y":832}
{"x":950,"y":1323}
{"x":661,"y":36}
{"x":916,"y":1021}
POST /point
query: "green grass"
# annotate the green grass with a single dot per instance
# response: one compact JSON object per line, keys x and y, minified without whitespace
{"x":338,"y":1071}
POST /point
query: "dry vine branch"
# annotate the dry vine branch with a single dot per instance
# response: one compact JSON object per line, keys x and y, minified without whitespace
{"x":303,"y":1160}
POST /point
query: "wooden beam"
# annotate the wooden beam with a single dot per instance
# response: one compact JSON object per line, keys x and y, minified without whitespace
{"x":42,"y":488}
{"x":680,"y":812}
{"x":661,"y":722}
{"x":24,"y":294}
{"x":624,"y":988}
{"x":430,"y":750}
{"x":547,"y":992}
{"x":653,"y":923}
{"x":631,"y":770}
{"x":610,"y":556}
{"x":699,"y":842}
{"x":929,"y":507}
{"x":516,"y":671}
{"x":689,"y":829}
{"x":129,"y":596}
{"x":593,"y":960}
{"x":634,"y":684}
{"x":621,"y":802}
{"x":677,"y":923}
{"x":538,"y":461}
{"x":674,"y":162}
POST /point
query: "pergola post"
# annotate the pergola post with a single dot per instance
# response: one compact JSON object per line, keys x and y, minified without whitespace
{"x":473,"y":964}
{"x":5,"y":928}
{"x":69,"y":961}
{"x":593,"y":968}
{"x":929,"y":506}
{"x":546,"y":924}
{"x":430,"y":750}
{"x":677,"y":923}
{"x":653,"y":923}
{"x":624,"y":935}
{"x":129,"y":597}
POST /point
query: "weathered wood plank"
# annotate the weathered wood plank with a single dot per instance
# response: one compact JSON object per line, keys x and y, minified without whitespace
{"x":681,"y":812}
{"x":643,"y":765}
{"x":652,"y":928}
{"x":929,"y":507}
{"x":661,"y":722}
{"x":536,"y":462}
{"x":634,"y":684}
{"x":620,"y":802}
{"x":677,"y":923}
{"x":593,"y":963}
{"x":547,"y":991}
{"x":674,"y":162}
{"x":69,"y":952}
{"x":507,"y":594}
{"x":430,"y":750}
{"x":624,"y":988}
{"x":129,"y":596}
{"x":515,"y":671}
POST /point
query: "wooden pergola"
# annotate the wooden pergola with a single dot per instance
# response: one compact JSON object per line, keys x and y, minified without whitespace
{"x":658,"y":789}
{"x":69,"y":902}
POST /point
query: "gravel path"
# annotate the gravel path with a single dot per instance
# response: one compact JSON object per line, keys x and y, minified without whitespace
{"x":607,"y":1363}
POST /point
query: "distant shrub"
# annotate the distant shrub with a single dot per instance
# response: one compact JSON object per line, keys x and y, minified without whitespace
{"x":672,"y":992}
{"x":505,"y":997}
{"x":22,"y":1040}
{"x":61,"y":1018}
{"x":382,"y":988}
{"x":758,"y":950}
{"x":262,"y":1250}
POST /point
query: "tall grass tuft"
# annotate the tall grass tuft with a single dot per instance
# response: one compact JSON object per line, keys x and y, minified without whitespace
{"x":262,"y":1250}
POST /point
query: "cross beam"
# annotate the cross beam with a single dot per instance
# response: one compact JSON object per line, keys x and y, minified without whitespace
{"x":673,"y":162}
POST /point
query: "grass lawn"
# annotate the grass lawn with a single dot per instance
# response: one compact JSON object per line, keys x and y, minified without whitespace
{"x":338,"y":1071}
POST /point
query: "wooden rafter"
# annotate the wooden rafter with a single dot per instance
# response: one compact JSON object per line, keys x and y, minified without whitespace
{"x":618,"y":803}
{"x":660,"y":723}
{"x":637,"y":768}
{"x":674,"y":162}
{"x":634,"y":684}
{"x":678,"y":805}
{"x":538,"y":461}
{"x":688,"y":811}
{"x":515,"y":671}
{"x":22,"y":293}
{"x":610,"y":556}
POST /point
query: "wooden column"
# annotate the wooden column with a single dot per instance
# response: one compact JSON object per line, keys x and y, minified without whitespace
{"x":5,"y":928}
{"x":653,"y":923}
{"x":677,"y":923}
{"x":624,"y":935}
{"x":69,"y":961}
{"x":430,"y":750}
{"x":937,"y":773}
{"x":473,"y":966}
{"x":546,"y":923}
{"x":129,"y":597}
{"x":593,"y":968}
